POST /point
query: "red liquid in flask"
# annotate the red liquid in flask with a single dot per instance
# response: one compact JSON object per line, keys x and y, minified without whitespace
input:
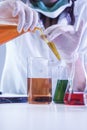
{"x":74,"y":98}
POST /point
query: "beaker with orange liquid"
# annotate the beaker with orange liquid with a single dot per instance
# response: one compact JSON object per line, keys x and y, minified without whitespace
{"x":8,"y":31}
{"x":39,"y":81}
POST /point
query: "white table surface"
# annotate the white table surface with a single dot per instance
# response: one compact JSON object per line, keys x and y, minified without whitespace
{"x":24,"y":116}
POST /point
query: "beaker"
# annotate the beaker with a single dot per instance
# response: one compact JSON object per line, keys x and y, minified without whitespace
{"x":8,"y":30}
{"x":39,"y":81}
{"x":62,"y":80}
{"x":74,"y":95}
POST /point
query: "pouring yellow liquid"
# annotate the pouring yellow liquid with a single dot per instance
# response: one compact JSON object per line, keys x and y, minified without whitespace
{"x":9,"y":32}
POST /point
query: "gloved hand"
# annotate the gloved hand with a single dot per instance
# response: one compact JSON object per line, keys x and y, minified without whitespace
{"x":18,"y":12}
{"x":66,"y":39}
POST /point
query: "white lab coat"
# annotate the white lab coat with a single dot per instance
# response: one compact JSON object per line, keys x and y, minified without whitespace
{"x":14,"y":54}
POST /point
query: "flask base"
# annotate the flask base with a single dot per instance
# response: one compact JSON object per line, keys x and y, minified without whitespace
{"x":76,"y":98}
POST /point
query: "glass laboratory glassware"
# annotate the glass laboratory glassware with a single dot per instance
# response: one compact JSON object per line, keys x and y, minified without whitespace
{"x":8,"y":31}
{"x":39,"y":81}
{"x":72,"y":96}
{"x":62,"y":80}
{"x":85,"y":69}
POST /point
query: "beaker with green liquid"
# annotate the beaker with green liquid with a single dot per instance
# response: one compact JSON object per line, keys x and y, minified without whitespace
{"x":61,"y":85}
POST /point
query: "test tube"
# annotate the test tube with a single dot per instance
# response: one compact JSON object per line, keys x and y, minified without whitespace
{"x":49,"y":43}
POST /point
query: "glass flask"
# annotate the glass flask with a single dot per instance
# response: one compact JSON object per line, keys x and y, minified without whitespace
{"x":73,"y":96}
{"x":85,"y":67}
{"x":39,"y":81}
{"x":8,"y":31}
{"x":62,"y":80}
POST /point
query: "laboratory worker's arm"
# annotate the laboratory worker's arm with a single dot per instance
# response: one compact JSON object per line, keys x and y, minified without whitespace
{"x":67,"y":41}
{"x":72,"y":39}
{"x":18,"y":12}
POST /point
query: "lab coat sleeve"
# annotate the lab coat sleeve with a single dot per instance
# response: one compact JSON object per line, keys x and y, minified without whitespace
{"x":81,"y":15}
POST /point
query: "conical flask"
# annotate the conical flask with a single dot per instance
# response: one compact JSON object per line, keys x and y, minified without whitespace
{"x":72,"y":95}
{"x":85,"y":69}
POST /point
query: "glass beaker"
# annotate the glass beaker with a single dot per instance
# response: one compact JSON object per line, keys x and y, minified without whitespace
{"x":8,"y":31}
{"x":62,"y":80}
{"x":39,"y":81}
{"x":74,"y":95}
